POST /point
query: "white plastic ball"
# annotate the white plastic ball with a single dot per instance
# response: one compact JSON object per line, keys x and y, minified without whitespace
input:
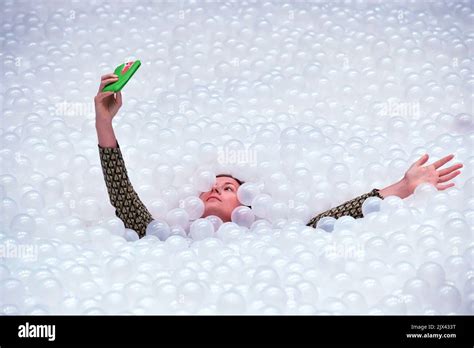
{"x":194,"y":206}
{"x":201,"y":229}
{"x":247,"y":192}
{"x":243,"y":216}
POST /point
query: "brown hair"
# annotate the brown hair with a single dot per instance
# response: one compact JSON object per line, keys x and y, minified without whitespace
{"x":230,"y":176}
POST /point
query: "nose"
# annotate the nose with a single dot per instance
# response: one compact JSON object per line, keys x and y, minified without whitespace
{"x":215,"y":188}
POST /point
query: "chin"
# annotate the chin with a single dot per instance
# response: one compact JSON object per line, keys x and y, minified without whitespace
{"x":213,"y":210}
{"x":217,"y":212}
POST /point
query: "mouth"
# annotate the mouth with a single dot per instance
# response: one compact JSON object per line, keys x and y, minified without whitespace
{"x":207,"y":200}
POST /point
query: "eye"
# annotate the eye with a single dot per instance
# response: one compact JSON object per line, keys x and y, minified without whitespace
{"x":229,"y":187}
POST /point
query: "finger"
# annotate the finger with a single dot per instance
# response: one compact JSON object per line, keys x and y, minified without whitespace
{"x":103,"y":77}
{"x":422,"y":160}
{"x":103,"y":95}
{"x":444,"y":187}
{"x":107,"y":81}
{"x":449,"y":176}
{"x":450,"y":169}
{"x":118,"y":98}
{"x":442,"y":161}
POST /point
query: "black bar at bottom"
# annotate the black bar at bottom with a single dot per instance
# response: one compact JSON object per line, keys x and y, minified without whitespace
{"x":288,"y":330}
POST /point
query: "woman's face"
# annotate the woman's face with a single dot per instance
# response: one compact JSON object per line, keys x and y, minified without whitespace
{"x":222,"y":199}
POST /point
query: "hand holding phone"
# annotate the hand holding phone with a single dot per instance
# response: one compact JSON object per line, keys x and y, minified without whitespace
{"x":124,"y":72}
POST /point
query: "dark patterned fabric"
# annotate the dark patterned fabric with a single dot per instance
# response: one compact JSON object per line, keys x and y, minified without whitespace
{"x":352,"y":208}
{"x":130,"y":209}
{"x":128,"y":206}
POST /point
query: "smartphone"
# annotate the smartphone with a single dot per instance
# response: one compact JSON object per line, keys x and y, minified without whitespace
{"x":124,"y":72}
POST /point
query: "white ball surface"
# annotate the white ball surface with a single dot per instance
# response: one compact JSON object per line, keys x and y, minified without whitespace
{"x":306,"y":118}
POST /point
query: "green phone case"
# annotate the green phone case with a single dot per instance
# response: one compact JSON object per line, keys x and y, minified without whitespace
{"x":124,"y":72}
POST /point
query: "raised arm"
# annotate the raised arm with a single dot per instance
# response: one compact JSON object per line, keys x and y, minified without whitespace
{"x":128,"y":206}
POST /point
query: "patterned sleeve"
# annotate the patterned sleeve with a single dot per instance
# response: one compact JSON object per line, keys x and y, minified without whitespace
{"x":352,"y":208}
{"x":128,"y":206}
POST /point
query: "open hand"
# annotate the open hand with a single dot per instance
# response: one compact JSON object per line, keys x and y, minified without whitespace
{"x":418,"y":174}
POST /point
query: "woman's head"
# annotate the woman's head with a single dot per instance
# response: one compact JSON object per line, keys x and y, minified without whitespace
{"x":222,"y":199}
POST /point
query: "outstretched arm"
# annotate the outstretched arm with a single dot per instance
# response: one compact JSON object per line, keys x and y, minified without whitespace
{"x":352,"y":208}
{"x":415,"y":175}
